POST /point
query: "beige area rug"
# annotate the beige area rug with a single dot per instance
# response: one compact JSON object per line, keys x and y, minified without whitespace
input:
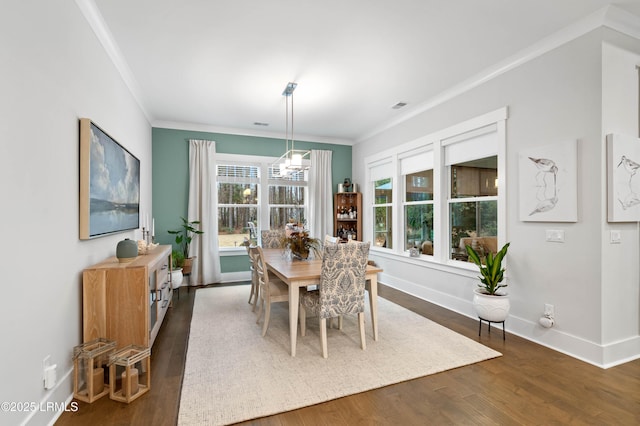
{"x":233,"y":374}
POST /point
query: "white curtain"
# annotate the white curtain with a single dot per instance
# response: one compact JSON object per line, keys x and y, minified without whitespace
{"x":320,"y":194}
{"x":203,"y":206}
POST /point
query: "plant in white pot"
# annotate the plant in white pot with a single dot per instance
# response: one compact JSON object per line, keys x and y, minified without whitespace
{"x":177,"y":277}
{"x":490,"y":302}
{"x":184,"y":235}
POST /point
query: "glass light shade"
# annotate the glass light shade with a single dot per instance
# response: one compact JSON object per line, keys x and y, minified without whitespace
{"x":296,"y":160}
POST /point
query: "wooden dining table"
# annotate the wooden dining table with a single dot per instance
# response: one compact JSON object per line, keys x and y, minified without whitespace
{"x":302,"y":273}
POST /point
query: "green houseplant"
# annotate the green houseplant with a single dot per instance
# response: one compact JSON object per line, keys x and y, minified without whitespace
{"x":491,"y":269}
{"x":490,"y":305}
{"x":183,"y":239}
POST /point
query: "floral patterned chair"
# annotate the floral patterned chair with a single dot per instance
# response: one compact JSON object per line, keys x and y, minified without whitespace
{"x":341,"y":288}
{"x":272,"y":238}
{"x":271,"y":289}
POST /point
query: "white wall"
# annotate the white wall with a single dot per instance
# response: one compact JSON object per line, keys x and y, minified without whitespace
{"x":53,"y":71}
{"x":553,"y":98}
{"x":620,"y":272}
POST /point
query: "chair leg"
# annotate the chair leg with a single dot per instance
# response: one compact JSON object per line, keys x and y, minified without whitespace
{"x":267,"y":315}
{"x":260,"y":308}
{"x":363,"y":342}
{"x":256,"y":297}
{"x":303,"y":320}
{"x":340,"y":322}
{"x":323,"y":337}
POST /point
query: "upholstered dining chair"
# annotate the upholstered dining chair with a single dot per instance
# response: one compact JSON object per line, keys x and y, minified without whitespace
{"x":255,"y":288}
{"x":271,"y":290}
{"x":272,"y":238}
{"x":341,"y":288}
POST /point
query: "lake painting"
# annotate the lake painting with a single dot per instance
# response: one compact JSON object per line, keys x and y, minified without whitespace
{"x":113,"y":184}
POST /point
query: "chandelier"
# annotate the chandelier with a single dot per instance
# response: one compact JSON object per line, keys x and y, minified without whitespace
{"x":291,"y":162}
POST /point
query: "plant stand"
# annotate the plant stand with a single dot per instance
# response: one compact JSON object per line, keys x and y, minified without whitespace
{"x":489,"y":322}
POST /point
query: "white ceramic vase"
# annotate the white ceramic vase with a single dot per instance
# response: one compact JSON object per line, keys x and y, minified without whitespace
{"x":176,"y":278}
{"x":491,"y":308}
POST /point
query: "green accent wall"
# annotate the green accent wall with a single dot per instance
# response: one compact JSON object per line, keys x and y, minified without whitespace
{"x":170,"y":175}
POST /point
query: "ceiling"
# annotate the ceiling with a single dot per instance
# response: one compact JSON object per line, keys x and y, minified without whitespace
{"x":223,"y":65}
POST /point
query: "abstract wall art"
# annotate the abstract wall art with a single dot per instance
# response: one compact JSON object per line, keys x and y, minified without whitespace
{"x":548,"y":183}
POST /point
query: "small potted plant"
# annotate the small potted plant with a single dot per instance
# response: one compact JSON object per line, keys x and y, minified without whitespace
{"x":177,"y":262}
{"x":184,"y":236}
{"x":301,"y":244}
{"x":490,"y":302}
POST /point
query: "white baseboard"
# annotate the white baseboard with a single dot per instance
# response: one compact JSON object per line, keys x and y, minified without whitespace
{"x":600,"y":355}
{"x":56,"y":401}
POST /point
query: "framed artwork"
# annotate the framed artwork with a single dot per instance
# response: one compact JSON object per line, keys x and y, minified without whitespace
{"x":623,"y":186}
{"x":109,"y":184}
{"x":548,"y":183}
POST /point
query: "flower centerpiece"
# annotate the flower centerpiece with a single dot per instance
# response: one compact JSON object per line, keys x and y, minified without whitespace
{"x":301,"y":244}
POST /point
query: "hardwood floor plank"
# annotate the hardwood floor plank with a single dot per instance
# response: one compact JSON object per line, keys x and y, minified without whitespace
{"x":529,"y":384}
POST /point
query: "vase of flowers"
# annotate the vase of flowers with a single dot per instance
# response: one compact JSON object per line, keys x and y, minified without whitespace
{"x":301,"y":244}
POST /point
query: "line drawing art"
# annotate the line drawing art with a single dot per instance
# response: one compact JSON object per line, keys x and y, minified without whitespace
{"x":629,"y":199}
{"x":623,"y":183}
{"x":547,"y":194}
{"x":548,"y":182}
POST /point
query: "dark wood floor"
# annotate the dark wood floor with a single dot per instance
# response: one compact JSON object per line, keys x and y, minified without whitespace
{"x":528,"y":385}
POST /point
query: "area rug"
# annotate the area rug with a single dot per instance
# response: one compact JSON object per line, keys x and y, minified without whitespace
{"x":233,"y":374}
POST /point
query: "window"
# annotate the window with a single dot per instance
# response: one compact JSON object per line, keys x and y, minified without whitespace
{"x":473,"y":206}
{"x":238,"y":189}
{"x":416,"y":168}
{"x":383,"y":211}
{"x":287,"y":199}
{"x":243,"y":183}
{"x":449,"y":194}
{"x":418,"y":211}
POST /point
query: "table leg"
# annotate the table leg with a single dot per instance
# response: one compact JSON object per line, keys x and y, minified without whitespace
{"x":294,"y":300}
{"x":373,"y":304}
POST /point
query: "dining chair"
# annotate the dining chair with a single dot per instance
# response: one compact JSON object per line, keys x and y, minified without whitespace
{"x":255,"y":288}
{"x":341,"y":288}
{"x":271,"y":290}
{"x":272,"y":238}
{"x":329,"y":239}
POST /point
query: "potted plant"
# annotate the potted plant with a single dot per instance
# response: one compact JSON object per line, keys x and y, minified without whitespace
{"x":301,"y":244}
{"x":490,"y":302}
{"x":184,"y":235}
{"x":177,"y":262}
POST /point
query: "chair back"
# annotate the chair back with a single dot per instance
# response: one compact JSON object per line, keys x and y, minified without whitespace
{"x":342,"y":279}
{"x":272,"y":238}
{"x":256,"y":254}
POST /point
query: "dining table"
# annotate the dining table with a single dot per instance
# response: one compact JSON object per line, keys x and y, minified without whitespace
{"x":298,"y":273}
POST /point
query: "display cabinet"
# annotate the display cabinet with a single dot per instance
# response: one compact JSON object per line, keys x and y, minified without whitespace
{"x":347,"y":207}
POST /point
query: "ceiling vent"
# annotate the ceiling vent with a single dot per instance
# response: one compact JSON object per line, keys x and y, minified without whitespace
{"x":258,"y":123}
{"x":399,"y":105}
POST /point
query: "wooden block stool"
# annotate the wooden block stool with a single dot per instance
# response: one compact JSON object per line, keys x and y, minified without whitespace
{"x":90,"y":361}
{"x":130,"y":373}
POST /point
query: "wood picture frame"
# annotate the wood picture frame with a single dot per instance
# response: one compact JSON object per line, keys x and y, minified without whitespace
{"x":109,"y":184}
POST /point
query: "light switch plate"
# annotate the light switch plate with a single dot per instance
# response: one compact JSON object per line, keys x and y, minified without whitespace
{"x":555,"y":235}
{"x":615,"y":237}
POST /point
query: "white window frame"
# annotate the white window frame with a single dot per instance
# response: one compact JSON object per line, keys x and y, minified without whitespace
{"x":264,"y":182}
{"x":441,"y":221}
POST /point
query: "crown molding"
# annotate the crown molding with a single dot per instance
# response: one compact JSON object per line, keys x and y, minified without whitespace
{"x":196,"y":127}
{"x":93,"y":16}
{"x":609,"y":16}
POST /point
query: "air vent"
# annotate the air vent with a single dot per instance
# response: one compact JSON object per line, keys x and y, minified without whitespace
{"x":399,"y":105}
{"x":258,"y":123}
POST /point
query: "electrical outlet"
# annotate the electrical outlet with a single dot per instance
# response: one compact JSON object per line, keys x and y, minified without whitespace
{"x":548,"y":310}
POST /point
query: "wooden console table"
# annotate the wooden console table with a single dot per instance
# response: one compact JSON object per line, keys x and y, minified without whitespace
{"x":126,"y":302}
